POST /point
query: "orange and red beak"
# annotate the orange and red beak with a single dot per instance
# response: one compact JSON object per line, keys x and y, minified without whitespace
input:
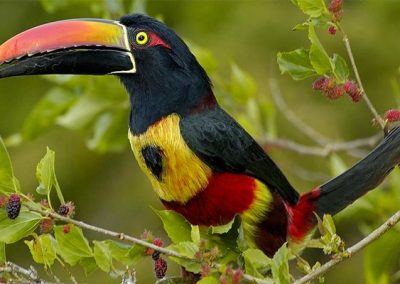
{"x":81,"y":46}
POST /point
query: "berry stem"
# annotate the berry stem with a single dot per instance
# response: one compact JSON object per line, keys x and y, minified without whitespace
{"x":346,"y":41}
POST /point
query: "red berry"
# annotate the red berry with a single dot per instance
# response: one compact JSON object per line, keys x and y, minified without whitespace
{"x":335,"y":6}
{"x":3,"y":201}
{"x":392,"y":115}
{"x":160,"y":268}
{"x":332,"y":30}
{"x":67,"y":209}
{"x":335,"y":93}
{"x":237,"y":276}
{"x":13,"y":206}
{"x":66,"y":229}
{"x":351,"y":88}
{"x":46,"y":225}
{"x":205,"y":270}
{"x":158,"y":242}
{"x":320,"y":83}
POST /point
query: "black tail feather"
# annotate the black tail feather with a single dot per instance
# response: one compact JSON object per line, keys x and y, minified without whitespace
{"x":341,"y":191}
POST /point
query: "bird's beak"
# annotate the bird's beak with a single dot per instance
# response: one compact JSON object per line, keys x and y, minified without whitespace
{"x":81,"y":46}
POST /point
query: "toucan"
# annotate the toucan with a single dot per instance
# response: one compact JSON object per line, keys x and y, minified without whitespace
{"x":199,"y":160}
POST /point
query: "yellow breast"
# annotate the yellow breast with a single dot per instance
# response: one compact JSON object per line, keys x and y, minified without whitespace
{"x":183,"y":174}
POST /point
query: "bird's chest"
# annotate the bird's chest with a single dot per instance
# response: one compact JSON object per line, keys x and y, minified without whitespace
{"x":175,"y":172}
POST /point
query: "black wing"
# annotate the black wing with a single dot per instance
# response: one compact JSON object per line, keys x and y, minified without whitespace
{"x":226,"y":147}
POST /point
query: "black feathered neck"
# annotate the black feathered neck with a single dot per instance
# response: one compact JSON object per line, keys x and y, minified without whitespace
{"x":167,"y":80}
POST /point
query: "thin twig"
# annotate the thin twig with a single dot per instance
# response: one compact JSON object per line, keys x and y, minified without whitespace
{"x":134,"y":240}
{"x":106,"y":232}
{"x":293,"y":118}
{"x":378,"y":118}
{"x":352,"y":250}
{"x":321,"y":151}
{"x":329,"y":146}
{"x":28,"y":274}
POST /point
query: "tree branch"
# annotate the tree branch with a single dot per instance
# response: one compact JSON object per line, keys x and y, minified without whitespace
{"x":377,"y":117}
{"x":351,"y":250}
{"x":321,"y":151}
{"x":30,"y":275}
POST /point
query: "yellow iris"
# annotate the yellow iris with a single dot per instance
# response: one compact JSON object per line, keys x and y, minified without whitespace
{"x":142,"y":38}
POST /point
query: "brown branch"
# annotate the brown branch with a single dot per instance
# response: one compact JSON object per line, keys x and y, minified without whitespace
{"x":377,"y":233}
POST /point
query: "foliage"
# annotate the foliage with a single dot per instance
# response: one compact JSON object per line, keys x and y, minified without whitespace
{"x":98,"y":107}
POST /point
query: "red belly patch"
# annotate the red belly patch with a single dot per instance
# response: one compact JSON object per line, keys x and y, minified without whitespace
{"x":225,"y":195}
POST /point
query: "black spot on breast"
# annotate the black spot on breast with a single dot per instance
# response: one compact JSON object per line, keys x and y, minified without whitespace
{"x":154,"y":160}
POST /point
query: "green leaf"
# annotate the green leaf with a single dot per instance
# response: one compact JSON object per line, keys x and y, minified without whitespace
{"x":46,"y":175}
{"x":318,"y":57}
{"x":256,"y":262}
{"x":84,"y":111}
{"x":208,"y":280}
{"x":381,"y":257}
{"x":73,"y":246}
{"x":222,"y":229}
{"x":42,"y":249}
{"x":102,"y":255}
{"x":126,"y":254}
{"x":328,"y":224}
{"x":12,"y":231}
{"x":280,"y":265}
{"x":89,"y":264}
{"x":296,"y":63}
{"x":109,"y":132}
{"x":2,"y":253}
{"x":177,"y":228}
{"x":242,"y":86}
{"x":313,"y":8}
{"x":340,"y":69}
{"x":7,"y":179}
{"x":44,"y":114}
{"x":195,"y":234}
{"x":189,"y":250}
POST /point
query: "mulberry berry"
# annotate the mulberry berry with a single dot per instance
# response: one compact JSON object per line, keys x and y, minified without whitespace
{"x":3,"y":201}
{"x":392,"y":115}
{"x":351,"y":88}
{"x":66,"y":229}
{"x":66,"y":209}
{"x":13,"y":206}
{"x":335,"y":93}
{"x":155,"y":255}
{"x":158,"y":242}
{"x":160,"y":268}
{"x":46,"y":225}
{"x":335,"y":6}
{"x":332,"y":30}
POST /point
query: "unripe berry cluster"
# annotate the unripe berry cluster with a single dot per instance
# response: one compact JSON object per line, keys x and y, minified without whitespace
{"x":329,"y":87}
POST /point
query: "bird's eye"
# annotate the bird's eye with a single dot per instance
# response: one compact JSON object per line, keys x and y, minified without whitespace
{"x":142,"y":38}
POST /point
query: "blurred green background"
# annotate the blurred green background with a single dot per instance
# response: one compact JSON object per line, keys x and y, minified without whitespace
{"x":108,"y":188}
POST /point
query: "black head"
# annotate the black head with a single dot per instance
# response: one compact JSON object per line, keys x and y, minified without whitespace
{"x":168,"y":79}
{"x":157,"y":68}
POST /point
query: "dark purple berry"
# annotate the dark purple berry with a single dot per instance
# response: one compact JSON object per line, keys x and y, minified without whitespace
{"x":160,"y":268}
{"x":155,"y":255}
{"x":66,"y":209}
{"x":13,"y":206}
